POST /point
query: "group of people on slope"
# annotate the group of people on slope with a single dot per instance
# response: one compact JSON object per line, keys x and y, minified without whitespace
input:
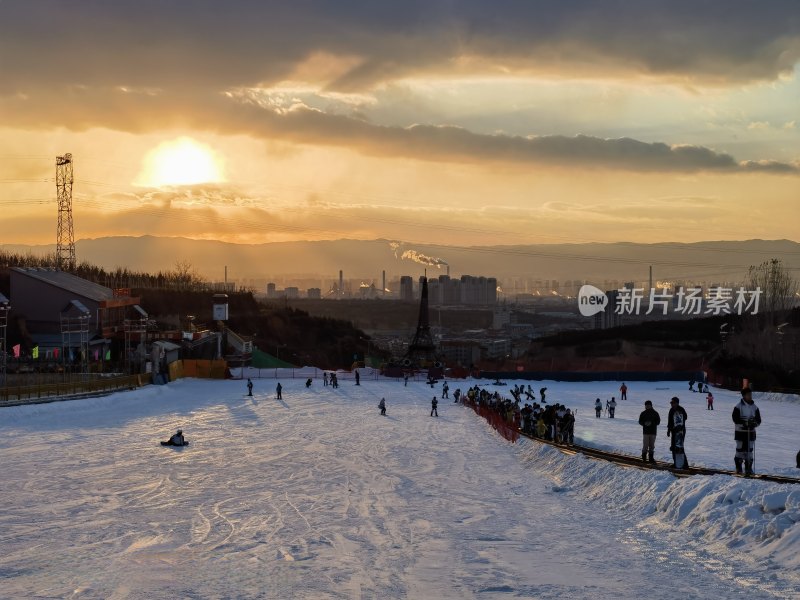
{"x":746,"y":418}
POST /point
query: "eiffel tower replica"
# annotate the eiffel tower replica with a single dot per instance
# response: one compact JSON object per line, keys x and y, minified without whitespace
{"x":422,"y":351}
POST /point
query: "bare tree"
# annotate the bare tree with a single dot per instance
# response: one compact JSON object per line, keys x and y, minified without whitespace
{"x":778,"y":287}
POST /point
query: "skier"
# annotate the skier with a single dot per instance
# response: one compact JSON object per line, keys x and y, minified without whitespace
{"x":445,"y":389}
{"x":623,"y":389}
{"x":710,"y":401}
{"x":649,"y":419}
{"x":325,"y":379}
{"x":308,"y":382}
{"x":612,"y":406}
{"x":382,"y":406}
{"x":176,"y":440}
{"x":358,"y":377}
{"x":278,"y":390}
{"x":747,"y":417}
{"x":676,"y":426}
{"x":434,"y":404}
{"x":249,"y":387}
{"x":541,"y":393}
{"x":598,"y":408}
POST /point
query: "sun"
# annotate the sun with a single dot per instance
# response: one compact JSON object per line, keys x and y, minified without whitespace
{"x":182,"y":161}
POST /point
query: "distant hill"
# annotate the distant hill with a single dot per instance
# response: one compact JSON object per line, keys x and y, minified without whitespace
{"x":365,"y":259}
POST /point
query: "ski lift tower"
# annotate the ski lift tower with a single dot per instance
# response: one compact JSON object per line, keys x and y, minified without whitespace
{"x":4,"y":310}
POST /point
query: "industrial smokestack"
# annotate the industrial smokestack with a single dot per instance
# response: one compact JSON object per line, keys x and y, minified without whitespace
{"x":341,"y":282}
{"x":651,"y":277}
{"x":448,"y":270}
{"x":384,"y":284}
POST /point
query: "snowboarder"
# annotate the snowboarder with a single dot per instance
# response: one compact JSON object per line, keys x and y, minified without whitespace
{"x":649,"y":419}
{"x":434,"y":404}
{"x":382,"y":406}
{"x":623,"y":389}
{"x":325,"y":379}
{"x":358,"y":377}
{"x":308,"y":382}
{"x":541,"y":393}
{"x":676,"y":426}
{"x":249,"y":387}
{"x":612,"y":406}
{"x":710,"y":401}
{"x":598,"y":408}
{"x":176,"y":440}
{"x":747,"y":417}
{"x":278,"y":390}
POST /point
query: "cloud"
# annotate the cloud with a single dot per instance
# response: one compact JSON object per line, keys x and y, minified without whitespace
{"x":242,"y":114}
{"x":152,"y":45}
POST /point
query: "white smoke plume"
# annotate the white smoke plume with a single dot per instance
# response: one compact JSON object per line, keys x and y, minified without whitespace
{"x":395,"y":246}
{"x":423,"y":258}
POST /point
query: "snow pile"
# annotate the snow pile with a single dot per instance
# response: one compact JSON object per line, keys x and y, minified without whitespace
{"x":756,"y":520}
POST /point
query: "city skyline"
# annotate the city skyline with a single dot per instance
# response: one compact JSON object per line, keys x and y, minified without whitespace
{"x":441,"y":122}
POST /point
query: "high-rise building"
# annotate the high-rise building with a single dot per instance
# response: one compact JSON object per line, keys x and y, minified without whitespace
{"x":406,"y":288}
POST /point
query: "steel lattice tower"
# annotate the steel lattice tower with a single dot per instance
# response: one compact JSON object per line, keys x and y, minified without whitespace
{"x":65,"y":237}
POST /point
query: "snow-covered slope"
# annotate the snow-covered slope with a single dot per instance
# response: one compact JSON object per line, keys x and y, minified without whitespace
{"x":317,"y":496}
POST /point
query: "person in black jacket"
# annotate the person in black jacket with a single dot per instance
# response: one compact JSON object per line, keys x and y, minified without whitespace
{"x":746,"y":417}
{"x":676,"y":427}
{"x":434,"y":404}
{"x":649,"y":420}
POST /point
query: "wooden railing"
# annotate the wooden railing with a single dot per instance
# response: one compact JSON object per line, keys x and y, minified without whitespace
{"x":51,"y":392}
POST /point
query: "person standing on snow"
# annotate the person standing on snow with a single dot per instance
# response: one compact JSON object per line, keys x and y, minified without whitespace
{"x":249,"y":387}
{"x":358,"y":377}
{"x":445,"y":390}
{"x":612,"y":406}
{"x":278,"y":390}
{"x":649,"y":419}
{"x":710,"y":401}
{"x":541,"y":393}
{"x":746,"y":417}
{"x":623,"y":389}
{"x":382,"y":406}
{"x":324,"y":379}
{"x":676,"y":427}
{"x":598,"y":408}
{"x":434,"y":404}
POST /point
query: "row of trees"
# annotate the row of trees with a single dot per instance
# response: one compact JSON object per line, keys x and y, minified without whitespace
{"x":183,"y":277}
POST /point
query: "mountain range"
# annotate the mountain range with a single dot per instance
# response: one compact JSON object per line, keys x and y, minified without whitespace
{"x":719,"y":261}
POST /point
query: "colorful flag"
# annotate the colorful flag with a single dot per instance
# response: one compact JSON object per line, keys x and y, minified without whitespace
{"x":55,"y":353}
{"x":97,"y":354}
{"x":16,"y":350}
{"x":108,"y":354}
{"x":35,"y":352}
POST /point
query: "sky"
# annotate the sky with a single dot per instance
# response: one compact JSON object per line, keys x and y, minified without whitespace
{"x":507,"y":121}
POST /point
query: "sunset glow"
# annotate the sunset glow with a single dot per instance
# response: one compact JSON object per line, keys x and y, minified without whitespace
{"x":180,"y":162}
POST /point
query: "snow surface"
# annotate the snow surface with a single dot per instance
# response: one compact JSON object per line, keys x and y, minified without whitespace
{"x":318,"y":496}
